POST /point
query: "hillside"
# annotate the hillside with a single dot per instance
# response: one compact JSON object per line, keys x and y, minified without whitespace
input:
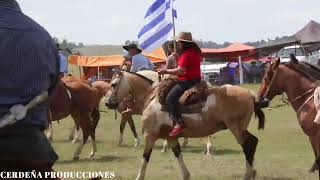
{"x":96,"y":50}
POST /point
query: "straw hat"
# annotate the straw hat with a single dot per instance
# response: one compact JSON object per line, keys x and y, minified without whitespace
{"x":132,"y":46}
{"x":184,"y":36}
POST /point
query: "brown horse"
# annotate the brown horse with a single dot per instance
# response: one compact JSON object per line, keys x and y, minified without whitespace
{"x":299,"y":88}
{"x":227,"y":107}
{"x":81,"y":100}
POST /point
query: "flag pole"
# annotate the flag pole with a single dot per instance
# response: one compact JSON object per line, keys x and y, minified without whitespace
{"x":174,"y":31}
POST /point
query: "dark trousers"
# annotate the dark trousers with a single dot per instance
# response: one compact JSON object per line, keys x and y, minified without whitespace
{"x":25,"y":147}
{"x":172,"y":100}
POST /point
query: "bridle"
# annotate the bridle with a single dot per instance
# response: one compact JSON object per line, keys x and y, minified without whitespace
{"x":295,"y":99}
{"x":271,"y":83}
{"x":115,"y":96}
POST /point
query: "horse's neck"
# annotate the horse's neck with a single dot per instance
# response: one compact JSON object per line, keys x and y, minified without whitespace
{"x":296,"y":88}
{"x":141,"y":89}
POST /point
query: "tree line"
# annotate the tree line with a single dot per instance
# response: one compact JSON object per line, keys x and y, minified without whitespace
{"x":211,"y":44}
{"x":64,"y":43}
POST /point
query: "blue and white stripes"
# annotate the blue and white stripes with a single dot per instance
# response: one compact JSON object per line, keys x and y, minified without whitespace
{"x":158,"y":25}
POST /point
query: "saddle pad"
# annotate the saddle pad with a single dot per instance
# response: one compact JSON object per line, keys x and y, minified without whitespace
{"x":194,"y":95}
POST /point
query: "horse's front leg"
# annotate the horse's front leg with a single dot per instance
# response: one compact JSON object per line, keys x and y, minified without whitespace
{"x":134,"y":132}
{"x":208,"y":151}
{"x":313,"y":142}
{"x":185,"y":142}
{"x":122,"y":127}
{"x":164,"y":146}
{"x":149,"y":143}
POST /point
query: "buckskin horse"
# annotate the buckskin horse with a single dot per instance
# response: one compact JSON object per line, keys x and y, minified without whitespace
{"x":81,"y":100}
{"x":299,"y":88}
{"x":226,"y":107}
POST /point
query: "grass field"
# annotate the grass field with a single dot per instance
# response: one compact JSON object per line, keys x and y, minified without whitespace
{"x":283,"y":152}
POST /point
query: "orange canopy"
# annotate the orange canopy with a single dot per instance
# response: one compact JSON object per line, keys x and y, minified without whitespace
{"x":112,"y":60}
{"x":231,"y":52}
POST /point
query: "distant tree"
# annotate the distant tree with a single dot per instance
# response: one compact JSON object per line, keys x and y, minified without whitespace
{"x":80,"y":45}
{"x":127,"y":42}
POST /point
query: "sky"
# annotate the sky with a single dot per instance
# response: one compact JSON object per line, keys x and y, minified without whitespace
{"x":115,"y":21}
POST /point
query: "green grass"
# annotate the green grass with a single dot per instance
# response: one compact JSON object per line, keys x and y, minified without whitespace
{"x":283,"y":151}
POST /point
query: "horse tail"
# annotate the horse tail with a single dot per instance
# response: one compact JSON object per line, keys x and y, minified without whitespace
{"x":95,"y":116}
{"x":258,"y":112}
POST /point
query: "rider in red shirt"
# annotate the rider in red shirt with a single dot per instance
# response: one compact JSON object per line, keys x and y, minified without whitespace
{"x":189,"y":74}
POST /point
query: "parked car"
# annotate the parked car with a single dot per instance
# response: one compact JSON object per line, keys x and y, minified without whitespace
{"x":284,"y":53}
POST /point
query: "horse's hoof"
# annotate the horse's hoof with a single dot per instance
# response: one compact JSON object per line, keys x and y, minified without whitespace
{"x":254,"y":174}
{"x":91,"y":156}
{"x":50,"y":138}
{"x":251,"y":174}
{"x":163,"y":151}
{"x":184,"y":145}
{"x":186,"y":176}
{"x":120,"y":142}
{"x":76,"y":158}
{"x":71,"y":138}
{"x":314,"y":168}
{"x":208,"y":156}
{"x":137,"y":143}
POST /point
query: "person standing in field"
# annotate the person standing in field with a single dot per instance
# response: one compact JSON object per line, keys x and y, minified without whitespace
{"x":29,"y":65}
{"x":63,"y":62}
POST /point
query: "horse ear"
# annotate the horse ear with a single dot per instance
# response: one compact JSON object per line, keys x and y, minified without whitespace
{"x":118,"y":71}
{"x":276,"y":64}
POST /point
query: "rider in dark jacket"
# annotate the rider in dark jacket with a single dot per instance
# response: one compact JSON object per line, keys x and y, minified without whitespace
{"x":28,"y":66}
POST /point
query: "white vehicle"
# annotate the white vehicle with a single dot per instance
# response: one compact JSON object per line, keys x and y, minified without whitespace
{"x":313,"y":59}
{"x":284,"y":53}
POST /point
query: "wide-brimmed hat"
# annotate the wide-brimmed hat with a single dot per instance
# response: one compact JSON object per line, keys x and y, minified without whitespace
{"x":184,"y":37}
{"x":132,"y":46}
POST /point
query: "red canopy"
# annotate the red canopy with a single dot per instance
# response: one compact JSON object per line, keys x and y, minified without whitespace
{"x":231,"y":53}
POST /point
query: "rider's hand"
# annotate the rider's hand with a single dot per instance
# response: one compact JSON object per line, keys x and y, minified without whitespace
{"x":162,"y":71}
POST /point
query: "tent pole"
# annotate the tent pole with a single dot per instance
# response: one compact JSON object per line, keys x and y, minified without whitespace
{"x":240,"y":70}
{"x":98,"y":72}
{"x":304,"y":51}
{"x":80,"y":72}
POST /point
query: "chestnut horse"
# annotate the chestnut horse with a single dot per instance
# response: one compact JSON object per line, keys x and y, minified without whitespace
{"x":227,"y":107}
{"x":299,"y":88}
{"x":81,"y":100}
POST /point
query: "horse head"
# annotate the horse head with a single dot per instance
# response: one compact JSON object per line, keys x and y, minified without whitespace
{"x":119,"y":89}
{"x":271,"y":83}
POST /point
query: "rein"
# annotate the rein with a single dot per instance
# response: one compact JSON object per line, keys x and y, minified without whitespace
{"x":310,"y":98}
{"x":302,"y":95}
{"x":271,"y":83}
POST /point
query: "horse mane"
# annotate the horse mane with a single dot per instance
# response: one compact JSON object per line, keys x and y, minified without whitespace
{"x":143,"y":77}
{"x":296,"y":68}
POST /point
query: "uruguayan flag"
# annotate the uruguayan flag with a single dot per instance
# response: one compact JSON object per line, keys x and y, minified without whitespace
{"x":158,"y":25}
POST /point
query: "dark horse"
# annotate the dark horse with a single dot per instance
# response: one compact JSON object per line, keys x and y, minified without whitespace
{"x":80,"y":100}
{"x":299,"y":88}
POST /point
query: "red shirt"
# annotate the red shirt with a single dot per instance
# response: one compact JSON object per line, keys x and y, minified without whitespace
{"x":191,"y":61}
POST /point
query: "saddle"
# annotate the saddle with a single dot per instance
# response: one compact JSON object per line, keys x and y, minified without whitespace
{"x":192,"y":100}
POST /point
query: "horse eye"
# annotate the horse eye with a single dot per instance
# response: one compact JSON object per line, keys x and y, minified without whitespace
{"x":113,"y":85}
